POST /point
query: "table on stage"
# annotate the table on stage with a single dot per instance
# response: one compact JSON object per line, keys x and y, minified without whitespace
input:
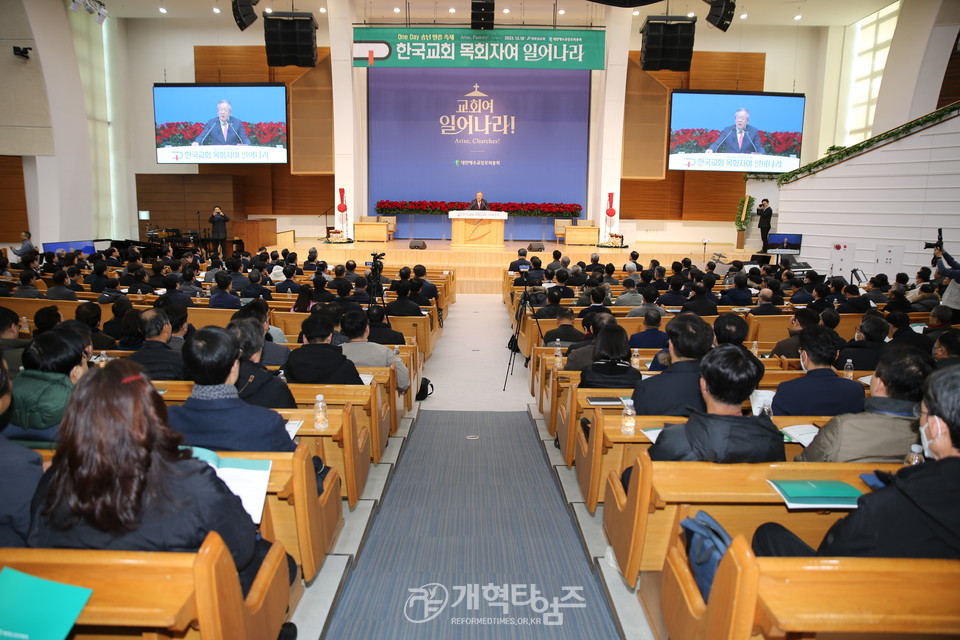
{"x":477,"y":229}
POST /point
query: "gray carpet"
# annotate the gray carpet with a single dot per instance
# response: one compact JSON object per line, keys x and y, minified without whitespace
{"x":462,"y":512}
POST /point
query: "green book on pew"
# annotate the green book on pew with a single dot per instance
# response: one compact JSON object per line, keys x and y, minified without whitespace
{"x":817,"y":494}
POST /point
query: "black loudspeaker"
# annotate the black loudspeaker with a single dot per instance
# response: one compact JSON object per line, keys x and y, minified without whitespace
{"x":243,"y":13}
{"x":291,"y":39}
{"x":626,"y":3}
{"x":481,"y":14}
{"x":721,"y":13}
{"x":535,"y":246}
{"x":667,"y":43}
{"x":418,"y":244}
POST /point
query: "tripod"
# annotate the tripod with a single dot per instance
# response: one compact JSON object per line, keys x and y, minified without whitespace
{"x":514,"y":343}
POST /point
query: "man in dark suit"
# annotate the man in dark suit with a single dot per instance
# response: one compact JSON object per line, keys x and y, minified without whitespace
{"x":318,"y":361}
{"x":865,"y":350}
{"x":380,"y":331}
{"x":565,"y":332}
{"x":764,"y":215}
{"x":520,"y":261}
{"x":676,"y":391}
{"x":700,"y":304}
{"x":854,"y":302}
{"x":904,"y":334}
{"x":651,"y":337}
{"x":673,"y":298}
{"x":479,"y":203}
{"x":89,"y":313}
{"x":224,"y":129}
{"x":429,"y":289}
{"x":155,"y":356}
{"x":403,"y":306}
{"x":766,"y":306}
{"x":218,"y":230}
{"x":224,"y":298}
{"x":821,"y":392}
{"x":739,"y":137}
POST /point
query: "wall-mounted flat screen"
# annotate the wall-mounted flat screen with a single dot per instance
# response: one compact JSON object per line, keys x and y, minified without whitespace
{"x":784,"y":243}
{"x":85,"y":245}
{"x":220,"y":123}
{"x":741,"y":131}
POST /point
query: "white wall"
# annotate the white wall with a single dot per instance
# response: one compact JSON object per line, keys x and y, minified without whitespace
{"x":896,"y":194}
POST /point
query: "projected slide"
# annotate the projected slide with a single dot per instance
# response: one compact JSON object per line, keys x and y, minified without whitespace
{"x":220,"y":123}
{"x":715,"y":131}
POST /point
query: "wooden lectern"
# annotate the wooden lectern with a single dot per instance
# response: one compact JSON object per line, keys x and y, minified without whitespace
{"x":476,"y":229}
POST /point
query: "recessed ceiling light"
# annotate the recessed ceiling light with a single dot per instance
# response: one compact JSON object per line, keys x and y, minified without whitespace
{"x":268,"y":10}
{"x":506,"y":10}
{"x":561,"y":12}
{"x":323,"y":9}
{"x":216,"y":9}
{"x":797,"y":17}
{"x":743,"y":16}
{"x":163,"y":9}
{"x":452,"y":10}
{"x":636,"y":13}
{"x":396,"y":9}
{"x":691,"y":14}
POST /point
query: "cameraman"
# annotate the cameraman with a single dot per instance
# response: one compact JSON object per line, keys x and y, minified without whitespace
{"x":951,"y":296}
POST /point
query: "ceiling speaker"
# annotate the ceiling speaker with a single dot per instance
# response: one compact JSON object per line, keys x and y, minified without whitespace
{"x":291,"y":39}
{"x":721,"y":13}
{"x":667,"y":43}
{"x":626,"y":3}
{"x":243,"y":13}
{"x":481,"y":14}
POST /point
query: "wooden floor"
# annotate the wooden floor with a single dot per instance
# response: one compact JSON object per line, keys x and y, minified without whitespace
{"x":480,"y":270}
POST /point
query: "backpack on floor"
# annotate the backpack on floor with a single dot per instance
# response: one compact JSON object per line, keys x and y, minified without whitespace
{"x":426,"y":389}
{"x":707,"y":541}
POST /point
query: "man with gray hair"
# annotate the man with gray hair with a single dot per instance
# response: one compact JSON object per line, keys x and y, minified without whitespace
{"x":594,"y":268}
{"x":224,"y":129}
{"x":155,"y":356}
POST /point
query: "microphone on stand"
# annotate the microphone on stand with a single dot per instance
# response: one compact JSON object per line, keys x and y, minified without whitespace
{"x":722,"y":138}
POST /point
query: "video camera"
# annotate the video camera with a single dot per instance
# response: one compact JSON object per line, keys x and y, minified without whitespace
{"x":935,"y":245}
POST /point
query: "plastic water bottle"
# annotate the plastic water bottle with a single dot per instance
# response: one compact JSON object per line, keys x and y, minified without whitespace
{"x":103,"y":358}
{"x":628,"y":418}
{"x":635,"y":358}
{"x":320,"y":420}
{"x":24,"y":325}
{"x":396,"y":351}
{"x":557,"y":354}
{"x":915,"y":456}
{"x":755,"y":349}
{"x":848,"y":369}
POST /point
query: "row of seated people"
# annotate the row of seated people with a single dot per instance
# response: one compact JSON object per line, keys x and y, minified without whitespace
{"x":334,"y":344}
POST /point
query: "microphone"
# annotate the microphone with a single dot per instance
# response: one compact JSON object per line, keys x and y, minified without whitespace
{"x":752,"y":143}
{"x":722,"y":138}
{"x":205,"y":134}
{"x":235,"y":132}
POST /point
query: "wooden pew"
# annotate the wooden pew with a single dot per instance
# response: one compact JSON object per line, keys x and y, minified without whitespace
{"x":800,"y":597}
{"x":387,"y":379}
{"x":343,"y":445}
{"x":638,"y":523}
{"x":149,"y":595}
{"x":366,"y":398}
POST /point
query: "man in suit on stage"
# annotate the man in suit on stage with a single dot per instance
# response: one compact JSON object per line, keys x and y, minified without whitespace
{"x":479,"y":203}
{"x":740,"y":137}
{"x":224,"y":129}
{"x":765,"y":215}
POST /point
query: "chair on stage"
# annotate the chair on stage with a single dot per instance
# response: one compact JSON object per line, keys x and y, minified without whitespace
{"x":560,"y":228}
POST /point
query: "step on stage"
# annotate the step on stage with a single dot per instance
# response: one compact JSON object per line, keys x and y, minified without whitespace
{"x":481,"y":270}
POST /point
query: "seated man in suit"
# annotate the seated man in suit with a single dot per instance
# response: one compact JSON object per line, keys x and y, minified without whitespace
{"x":888,"y":425}
{"x":728,"y":375}
{"x":947,"y":349}
{"x":275,"y":354}
{"x":854,"y":302}
{"x":380,"y":330}
{"x":429,"y":290}
{"x":224,"y":298}
{"x":766,"y":306}
{"x":565,"y":332}
{"x":739,"y":295}
{"x":214,"y":416}
{"x":630,"y":296}
{"x":915,"y":515}
{"x":597,"y":297}
{"x":903,"y":333}
{"x":562,"y":277}
{"x":700,"y":303}
{"x":651,"y":337}
{"x":364,"y":353}
{"x":939,"y":321}
{"x":676,"y":391}
{"x":821,"y":392}
{"x":730,"y":328}
{"x":403,"y":305}
{"x":60,"y":290}
{"x":255,"y":384}
{"x":89,"y":313}
{"x":790,"y":347}
{"x":520,"y":261}
{"x":864,"y":350}
{"x":552,"y":308}
{"x":288,"y":285}
{"x":318,"y":361}
{"x":155,"y":356}
{"x":674,"y":297}
{"x":28,"y":286}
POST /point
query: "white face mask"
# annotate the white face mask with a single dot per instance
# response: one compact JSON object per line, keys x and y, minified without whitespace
{"x":926,"y":441}
{"x":803,"y":365}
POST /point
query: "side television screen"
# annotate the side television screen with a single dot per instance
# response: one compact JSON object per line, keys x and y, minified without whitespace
{"x":724,"y":131}
{"x":220,"y":123}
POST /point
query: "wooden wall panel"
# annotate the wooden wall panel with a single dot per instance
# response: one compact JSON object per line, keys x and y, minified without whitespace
{"x":255,"y":182}
{"x":230,"y":64}
{"x":311,"y":121}
{"x":301,"y":195}
{"x":174,"y":199}
{"x":645,"y":124}
{"x":13,"y":199}
{"x":686,"y":195}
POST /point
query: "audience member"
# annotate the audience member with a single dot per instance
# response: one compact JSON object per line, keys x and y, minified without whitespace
{"x":630,"y":296}
{"x":947,"y":349}
{"x":597,"y":296}
{"x":938,"y":322}
{"x":224,"y":298}
{"x":673,"y":298}
{"x":565,"y":332}
{"x":304,"y":302}
{"x":552,"y":308}
{"x":802,"y":318}
{"x":864,"y":350}
{"x":403,"y":306}
{"x":89,"y":313}
{"x":650,"y":295}
{"x":380,"y":330}
{"x":730,"y":328}
{"x":46,"y":318}
{"x":676,"y":390}
{"x":739,"y":295}
{"x":700,"y":302}
{"x":903,"y":333}
{"x":610,"y":368}
{"x":255,"y":384}
{"x":854,"y":302}
{"x":364,"y":353}
{"x":888,"y":425}
{"x":255,"y":288}
{"x":60,"y":290}
{"x":27,"y":288}
{"x":318,"y":361}
{"x":821,"y":392}
{"x":651,"y":337}
{"x":179,"y":327}
{"x":11,"y":343}
{"x":20,"y":471}
{"x":112,"y":326}
{"x":580,"y":354}
{"x":766,"y":306}
{"x":274,"y":353}
{"x":155,"y":355}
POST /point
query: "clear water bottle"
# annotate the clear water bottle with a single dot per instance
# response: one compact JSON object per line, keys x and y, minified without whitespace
{"x":24,"y":325}
{"x":635,"y":358}
{"x":915,"y":456}
{"x":103,"y":358}
{"x":320,"y":419}
{"x":755,"y":349}
{"x":848,"y":369}
{"x":628,"y":418}
{"x":557,"y":354}
{"x":396,"y":351}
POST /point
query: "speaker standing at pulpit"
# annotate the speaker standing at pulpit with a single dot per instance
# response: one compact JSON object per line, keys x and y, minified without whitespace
{"x":479,"y":203}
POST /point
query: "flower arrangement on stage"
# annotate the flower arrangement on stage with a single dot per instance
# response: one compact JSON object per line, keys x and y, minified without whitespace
{"x":441,"y":208}
{"x":615,"y":241}
{"x":335,"y":236}
{"x":182,"y":134}
{"x":778,"y":143}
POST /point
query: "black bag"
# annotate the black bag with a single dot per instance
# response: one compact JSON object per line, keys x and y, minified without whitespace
{"x":707,"y":541}
{"x":426,"y":389}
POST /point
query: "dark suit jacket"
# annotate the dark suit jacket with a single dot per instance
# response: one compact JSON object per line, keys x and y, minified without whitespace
{"x":700,"y":305}
{"x":674,"y":392}
{"x":567,"y":334}
{"x":321,"y":364}
{"x":736,"y":297}
{"x":864,"y":353}
{"x":475,"y":206}
{"x":909,"y":336}
{"x":403,"y":307}
{"x":223,"y":300}
{"x":860,"y":304}
{"x":213,"y":132}
{"x":218,"y":227}
{"x":819,"y":393}
{"x":766,"y":309}
{"x":727,"y":141}
{"x":20,"y":472}
{"x":649,"y":339}
{"x":515,"y":265}
{"x":230,"y":424}
{"x":764,"y":215}
{"x":160,"y":361}
{"x":381,"y":333}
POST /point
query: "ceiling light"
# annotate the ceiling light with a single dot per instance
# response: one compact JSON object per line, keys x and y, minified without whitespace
{"x":268,"y":10}
{"x":561,"y":12}
{"x":216,"y":9}
{"x":743,"y":16}
{"x":691,"y":14}
{"x":396,"y":9}
{"x":452,"y":10}
{"x":323,"y":9}
{"x":506,"y":10}
{"x":797,"y":17}
{"x":636,"y":13}
{"x":163,"y":9}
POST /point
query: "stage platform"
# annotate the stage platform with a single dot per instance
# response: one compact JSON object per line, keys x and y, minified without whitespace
{"x":480,"y":270}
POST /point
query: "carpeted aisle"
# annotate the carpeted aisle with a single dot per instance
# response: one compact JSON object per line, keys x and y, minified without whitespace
{"x":463,"y":512}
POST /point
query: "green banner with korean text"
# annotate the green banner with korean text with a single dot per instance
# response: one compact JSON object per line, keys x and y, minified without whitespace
{"x":496,"y":48}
